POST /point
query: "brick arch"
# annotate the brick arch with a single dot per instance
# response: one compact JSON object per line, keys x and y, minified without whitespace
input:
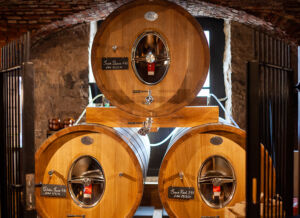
{"x":46,"y":16}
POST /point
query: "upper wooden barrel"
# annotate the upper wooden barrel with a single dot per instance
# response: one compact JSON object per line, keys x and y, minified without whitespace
{"x":210,"y":160}
{"x":150,"y":58}
{"x":101,"y":168}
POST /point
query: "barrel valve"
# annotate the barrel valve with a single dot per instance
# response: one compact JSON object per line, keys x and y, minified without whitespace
{"x":149,"y":99}
{"x":147,"y":126}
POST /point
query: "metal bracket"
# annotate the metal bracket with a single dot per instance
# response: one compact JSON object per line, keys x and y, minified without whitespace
{"x":16,"y":186}
{"x":71,"y":215}
{"x":30,"y":190}
{"x":139,"y":91}
{"x":297,"y":87}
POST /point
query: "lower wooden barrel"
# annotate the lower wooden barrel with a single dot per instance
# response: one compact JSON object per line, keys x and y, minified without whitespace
{"x":100,"y":169}
{"x":204,"y":171}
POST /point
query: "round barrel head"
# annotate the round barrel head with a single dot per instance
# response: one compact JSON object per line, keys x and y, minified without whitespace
{"x":150,"y":58}
{"x":206,"y":166}
{"x":87,"y":170}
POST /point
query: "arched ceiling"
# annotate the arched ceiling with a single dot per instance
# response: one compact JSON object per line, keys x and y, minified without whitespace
{"x":42,"y":17}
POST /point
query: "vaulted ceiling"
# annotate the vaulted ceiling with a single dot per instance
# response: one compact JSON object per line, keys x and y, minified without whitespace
{"x":44,"y":16}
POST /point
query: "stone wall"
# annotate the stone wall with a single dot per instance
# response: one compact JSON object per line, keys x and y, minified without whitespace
{"x":61,"y":77}
{"x":242,"y":51}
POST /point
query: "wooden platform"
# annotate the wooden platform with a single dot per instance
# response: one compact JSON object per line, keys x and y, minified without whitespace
{"x":189,"y":116}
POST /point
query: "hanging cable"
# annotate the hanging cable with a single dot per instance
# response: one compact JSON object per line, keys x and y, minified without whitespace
{"x":223,"y":99}
{"x":221,"y":105}
{"x":84,"y":111}
{"x":225,"y":111}
{"x":163,"y":141}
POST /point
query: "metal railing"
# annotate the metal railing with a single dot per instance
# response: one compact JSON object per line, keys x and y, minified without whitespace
{"x":13,"y":65}
{"x":270,"y":123}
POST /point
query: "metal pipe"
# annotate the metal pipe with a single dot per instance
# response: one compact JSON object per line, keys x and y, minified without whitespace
{"x":276,"y":67}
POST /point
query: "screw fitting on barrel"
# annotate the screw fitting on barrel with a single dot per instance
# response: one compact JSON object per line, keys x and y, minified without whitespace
{"x":181,"y":174}
{"x":50,"y":173}
{"x":114,"y":48}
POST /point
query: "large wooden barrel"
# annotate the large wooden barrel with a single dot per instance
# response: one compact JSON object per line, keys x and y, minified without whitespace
{"x":150,"y":58}
{"x":204,"y":171}
{"x":100,"y":169}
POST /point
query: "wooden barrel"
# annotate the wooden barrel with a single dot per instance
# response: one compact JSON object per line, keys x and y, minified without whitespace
{"x":99,"y":169}
{"x":150,"y":58}
{"x":204,"y":171}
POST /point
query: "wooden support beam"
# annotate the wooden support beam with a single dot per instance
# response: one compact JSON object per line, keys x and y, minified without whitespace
{"x":186,"y":117}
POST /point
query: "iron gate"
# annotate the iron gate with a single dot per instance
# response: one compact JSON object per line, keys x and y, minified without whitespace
{"x":270,"y":121}
{"x":17,"y":128}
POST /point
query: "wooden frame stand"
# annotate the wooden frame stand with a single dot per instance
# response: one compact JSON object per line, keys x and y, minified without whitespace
{"x":189,"y":116}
